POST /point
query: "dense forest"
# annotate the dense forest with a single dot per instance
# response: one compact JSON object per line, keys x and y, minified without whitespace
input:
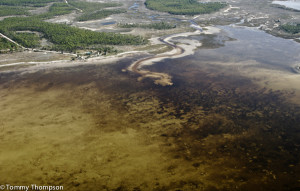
{"x":291,"y":28}
{"x":29,"y":40}
{"x":5,"y":44}
{"x":184,"y":7}
{"x":59,"y":8}
{"x":33,"y":3}
{"x":8,"y":10}
{"x":157,"y":26}
{"x":64,"y":36}
{"x":91,"y":11}
{"x":91,"y":6}
{"x":55,"y":10}
{"x":94,"y":11}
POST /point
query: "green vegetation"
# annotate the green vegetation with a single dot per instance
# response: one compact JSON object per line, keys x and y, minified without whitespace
{"x":104,"y":50}
{"x":94,"y":11}
{"x":57,"y":9}
{"x":66,"y":37}
{"x":99,"y":14}
{"x":5,"y":45}
{"x":291,"y":28}
{"x":7,"y":10}
{"x":184,"y":7}
{"x":90,"y":6}
{"x":157,"y":26}
{"x":29,"y":40}
{"x":54,"y":10}
{"x":63,"y":37}
{"x":32,"y":3}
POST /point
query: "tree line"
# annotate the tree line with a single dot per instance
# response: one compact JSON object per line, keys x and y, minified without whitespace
{"x":55,"y":10}
{"x":65,"y":37}
{"x":157,"y":26}
{"x":184,"y":7}
{"x":94,"y":11}
{"x":6,"y":45}
{"x":33,"y":3}
{"x":8,"y":10}
{"x":28,"y":40}
{"x":91,"y":6}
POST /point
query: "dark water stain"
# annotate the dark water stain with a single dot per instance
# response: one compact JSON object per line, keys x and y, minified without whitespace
{"x":263,"y":127}
{"x":109,"y":23}
{"x":135,"y":6}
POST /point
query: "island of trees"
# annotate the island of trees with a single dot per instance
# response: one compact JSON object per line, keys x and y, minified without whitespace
{"x":184,"y":7}
{"x":157,"y":26}
{"x":291,"y":28}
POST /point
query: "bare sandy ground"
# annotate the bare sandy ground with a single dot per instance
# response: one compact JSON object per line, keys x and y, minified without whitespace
{"x":31,"y":57}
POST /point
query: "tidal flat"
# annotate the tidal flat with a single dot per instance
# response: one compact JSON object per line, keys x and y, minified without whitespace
{"x":94,"y":127}
{"x":230,"y":121}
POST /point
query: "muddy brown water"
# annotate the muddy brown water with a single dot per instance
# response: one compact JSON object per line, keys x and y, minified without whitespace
{"x":96,"y":128}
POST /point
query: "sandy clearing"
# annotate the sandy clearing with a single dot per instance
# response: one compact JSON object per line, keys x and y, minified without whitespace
{"x":229,"y":8}
{"x":93,"y":21}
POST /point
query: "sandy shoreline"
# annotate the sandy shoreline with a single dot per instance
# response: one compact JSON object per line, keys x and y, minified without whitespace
{"x":187,"y":46}
{"x":35,"y":66}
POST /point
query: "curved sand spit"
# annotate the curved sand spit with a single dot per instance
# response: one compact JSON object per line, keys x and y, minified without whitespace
{"x":186,"y":48}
